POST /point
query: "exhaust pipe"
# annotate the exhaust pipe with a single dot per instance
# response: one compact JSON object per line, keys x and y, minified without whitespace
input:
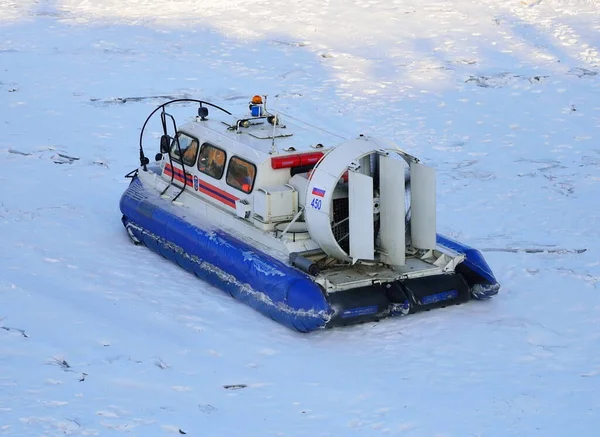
{"x":304,"y":264}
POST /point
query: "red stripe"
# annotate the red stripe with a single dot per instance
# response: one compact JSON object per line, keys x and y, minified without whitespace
{"x":218,"y":190}
{"x":214,"y":196}
{"x":203,"y":186}
{"x":178,"y":177}
{"x":178,"y":172}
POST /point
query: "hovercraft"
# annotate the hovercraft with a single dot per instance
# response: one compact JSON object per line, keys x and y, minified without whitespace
{"x":311,"y":230}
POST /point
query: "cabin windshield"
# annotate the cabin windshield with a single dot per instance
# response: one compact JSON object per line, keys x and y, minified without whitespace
{"x":188,"y":147}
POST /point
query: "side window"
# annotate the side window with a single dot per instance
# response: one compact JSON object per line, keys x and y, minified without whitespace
{"x":241,"y":174}
{"x":211,"y":161}
{"x":188,"y":146}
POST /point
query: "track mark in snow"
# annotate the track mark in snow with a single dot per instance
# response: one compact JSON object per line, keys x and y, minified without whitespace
{"x":207,"y":409}
{"x":123,"y":100}
{"x":66,"y":367}
{"x":54,"y":403}
{"x":465,"y":62}
{"x":532,"y":3}
{"x":53,"y":426}
{"x":111,"y":418}
{"x":503,"y":79}
{"x":52,"y":260}
{"x":18,"y":152}
{"x":477,"y":175}
{"x":234,"y":386}
{"x":158,"y":362}
{"x":20,"y":331}
{"x":62,"y":364}
{"x":61,"y":158}
{"x":533,"y":250}
{"x":289,"y":43}
{"x":173,"y":429}
{"x":108,"y":414}
{"x":456,"y":147}
{"x":581,"y":72}
{"x":181,"y":388}
{"x":587,"y":277}
{"x":464,"y":164}
{"x":118,"y":426}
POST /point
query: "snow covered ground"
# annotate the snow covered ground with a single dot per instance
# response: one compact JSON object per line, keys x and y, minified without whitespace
{"x":100,"y":337}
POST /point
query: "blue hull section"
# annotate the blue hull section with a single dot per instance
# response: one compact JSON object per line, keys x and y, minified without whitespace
{"x":479,"y":274}
{"x":278,"y":291}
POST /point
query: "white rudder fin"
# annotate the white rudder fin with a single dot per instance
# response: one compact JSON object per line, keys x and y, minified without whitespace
{"x":392,"y":229}
{"x":360,"y":205}
{"x":423,"y":206}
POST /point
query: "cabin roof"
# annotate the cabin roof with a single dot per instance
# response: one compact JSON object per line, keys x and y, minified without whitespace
{"x":257,"y":139}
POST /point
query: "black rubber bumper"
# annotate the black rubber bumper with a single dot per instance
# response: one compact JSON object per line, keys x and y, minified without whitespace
{"x":375,"y":302}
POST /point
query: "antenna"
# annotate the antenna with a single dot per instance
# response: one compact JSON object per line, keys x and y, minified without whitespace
{"x":274,"y":119}
{"x":273,"y":147}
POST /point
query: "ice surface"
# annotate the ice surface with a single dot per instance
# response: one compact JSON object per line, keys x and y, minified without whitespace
{"x":100,"y":337}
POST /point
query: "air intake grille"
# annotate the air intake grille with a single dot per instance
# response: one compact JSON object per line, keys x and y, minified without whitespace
{"x":341,"y":212}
